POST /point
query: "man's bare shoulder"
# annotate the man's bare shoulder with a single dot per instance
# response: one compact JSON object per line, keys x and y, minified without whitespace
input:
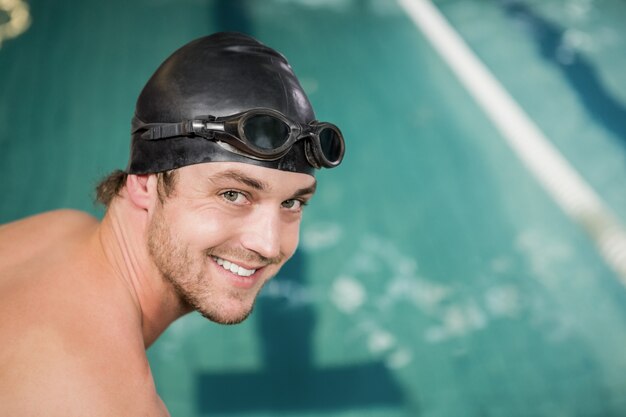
{"x":63,"y":221}
{"x":68,"y":353}
{"x":71,"y":340}
{"x":55,"y":374}
{"x":26,"y":237}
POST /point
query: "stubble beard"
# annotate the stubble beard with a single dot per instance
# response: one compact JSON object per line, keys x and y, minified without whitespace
{"x":188,"y":276}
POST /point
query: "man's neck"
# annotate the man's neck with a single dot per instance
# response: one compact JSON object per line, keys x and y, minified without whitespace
{"x":122,"y":239}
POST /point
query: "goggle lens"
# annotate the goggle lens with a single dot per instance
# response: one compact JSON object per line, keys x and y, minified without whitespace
{"x":330,"y":144}
{"x":266,"y":132}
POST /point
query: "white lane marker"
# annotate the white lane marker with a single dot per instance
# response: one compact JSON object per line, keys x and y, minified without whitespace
{"x":543,"y":160}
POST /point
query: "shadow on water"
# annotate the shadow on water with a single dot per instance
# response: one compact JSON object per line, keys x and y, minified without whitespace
{"x":289,"y":380}
{"x":232,"y":16}
{"x":576,"y":68}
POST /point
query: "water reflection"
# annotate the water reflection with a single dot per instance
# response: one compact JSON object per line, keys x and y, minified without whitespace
{"x":579,"y":72}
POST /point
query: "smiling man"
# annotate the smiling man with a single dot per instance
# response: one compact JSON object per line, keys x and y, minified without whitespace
{"x":224,"y":149}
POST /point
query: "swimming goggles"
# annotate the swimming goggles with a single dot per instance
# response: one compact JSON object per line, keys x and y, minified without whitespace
{"x":260,"y":133}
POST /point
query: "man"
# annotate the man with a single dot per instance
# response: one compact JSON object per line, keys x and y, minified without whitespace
{"x":224,"y":146}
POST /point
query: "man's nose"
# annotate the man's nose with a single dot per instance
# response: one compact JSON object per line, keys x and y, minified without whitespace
{"x":262,"y":232}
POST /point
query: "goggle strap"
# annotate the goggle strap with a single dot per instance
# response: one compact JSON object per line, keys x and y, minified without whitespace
{"x":164,"y":131}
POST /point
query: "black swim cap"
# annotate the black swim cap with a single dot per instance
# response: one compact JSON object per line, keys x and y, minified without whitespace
{"x":218,"y":75}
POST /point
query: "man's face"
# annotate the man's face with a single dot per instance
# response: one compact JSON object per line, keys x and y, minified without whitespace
{"x":227,"y":229}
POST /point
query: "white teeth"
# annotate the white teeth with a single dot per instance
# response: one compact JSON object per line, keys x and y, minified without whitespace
{"x":234,"y":268}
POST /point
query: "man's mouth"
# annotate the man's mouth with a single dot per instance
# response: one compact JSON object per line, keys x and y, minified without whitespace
{"x":233,"y":267}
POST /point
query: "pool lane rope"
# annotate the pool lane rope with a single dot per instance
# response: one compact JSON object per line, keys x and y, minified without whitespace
{"x":568,"y":189}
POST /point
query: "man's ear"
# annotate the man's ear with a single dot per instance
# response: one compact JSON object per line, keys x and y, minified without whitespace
{"x":142,"y":190}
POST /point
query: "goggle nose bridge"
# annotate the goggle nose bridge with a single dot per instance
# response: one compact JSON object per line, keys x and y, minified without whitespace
{"x":207,"y":128}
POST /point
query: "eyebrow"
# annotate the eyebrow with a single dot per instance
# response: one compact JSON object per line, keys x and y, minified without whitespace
{"x":242,"y":178}
{"x":306,"y":190}
{"x":259,"y":185}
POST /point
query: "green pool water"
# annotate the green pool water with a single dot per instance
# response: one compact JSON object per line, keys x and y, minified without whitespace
{"x":435,"y":277}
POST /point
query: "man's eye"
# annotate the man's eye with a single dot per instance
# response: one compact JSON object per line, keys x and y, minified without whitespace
{"x":234,"y":196}
{"x":294,"y":205}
